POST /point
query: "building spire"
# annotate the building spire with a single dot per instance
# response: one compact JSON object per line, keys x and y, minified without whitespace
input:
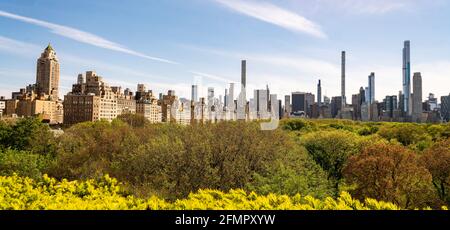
{"x":49,"y":47}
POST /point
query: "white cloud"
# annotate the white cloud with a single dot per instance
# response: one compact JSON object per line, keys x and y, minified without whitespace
{"x":274,"y":15}
{"x":374,"y":7}
{"x":213,"y":77}
{"x":369,"y":6}
{"x":18,"y":47}
{"x":82,"y":36}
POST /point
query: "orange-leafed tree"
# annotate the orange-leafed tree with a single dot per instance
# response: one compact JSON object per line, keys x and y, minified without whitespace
{"x":437,"y":161}
{"x":391,"y":173}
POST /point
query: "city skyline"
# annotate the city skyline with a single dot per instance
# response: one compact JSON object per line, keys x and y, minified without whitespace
{"x":285,"y":72}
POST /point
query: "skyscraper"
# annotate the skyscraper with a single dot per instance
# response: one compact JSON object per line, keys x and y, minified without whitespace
{"x":301,"y":102}
{"x":406,"y":77}
{"x":287,"y":105}
{"x":417,"y":97}
{"x":244,"y":73}
{"x":242,"y":109}
{"x":445,"y":108}
{"x":210,"y":96}
{"x":260,"y":97}
{"x":371,"y":93}
{"x":319,"y":93}
{"x":47,"y":74}
{"x":194,"y":93}
{"x":390,"y":105}
{"x":344,"y":101}
{"x":298,"y":103}
{"x":231,"y":105}
{"x":225,"y":99}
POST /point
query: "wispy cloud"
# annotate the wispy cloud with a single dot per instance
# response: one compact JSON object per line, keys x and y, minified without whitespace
{"x":18,"y":47}
{"x":275,"y":15}
{"x":213,"y":77}
{"x":82,"y":36}
{"x":372,"y":7}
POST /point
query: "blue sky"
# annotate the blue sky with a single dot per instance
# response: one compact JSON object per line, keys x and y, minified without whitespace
{"x":170,"y":44}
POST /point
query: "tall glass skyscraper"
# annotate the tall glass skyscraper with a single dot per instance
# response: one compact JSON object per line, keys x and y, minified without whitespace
{"x":371,"y":93}
{"x":406,"y":78}
{"x":194,"y":93}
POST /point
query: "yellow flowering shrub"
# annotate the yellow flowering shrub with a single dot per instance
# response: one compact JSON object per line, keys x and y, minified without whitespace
{"x":22,"y":193}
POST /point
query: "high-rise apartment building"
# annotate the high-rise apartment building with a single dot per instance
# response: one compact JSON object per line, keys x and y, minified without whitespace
{"x":406,"y":77}
{"x":42,"y":98}
{"x":336,"y":106}
{"x":301,"y":103}
{"x":47,"y":74}
{"x":244,"y":73}
{"x":194,"y":93}
{"x":287,"y":105}
{"x":390,"y":105}
{"x":445,"y":108}
{"x":371,"y":88}
{"x":319,"y":93}
{"x":166,"y":104}
{"x":90,"y":101}
{"x":242,"y":104}
{"x":343,"y":63}
{"x":260,"y":103}
{"x":417,"y":107}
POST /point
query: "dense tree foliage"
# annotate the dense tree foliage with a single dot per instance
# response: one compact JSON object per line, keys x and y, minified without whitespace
{"x":293,"y":173}
{"x":175,"y":160}
{"x":28,"y":134}
{"x":391,"y":173}
{"x":437,"y":161}
{"x":134,"y":120}
{"x":23,"y":163}
{"x":407,"y":164}
{"x":331,"y":149}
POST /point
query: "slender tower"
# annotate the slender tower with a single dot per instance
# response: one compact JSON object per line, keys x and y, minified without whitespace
{"x":344,"y":100}
{"x":242,"y":103}
{"x":244,"y":73}
{"x":417,"y":97}
{"x":406,"y":78}
{"x":194,"y":93}
{"x":371,"y":93}
{"x":319,"y":93}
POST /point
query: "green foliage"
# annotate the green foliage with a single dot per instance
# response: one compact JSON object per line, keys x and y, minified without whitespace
{"x":368,"y":130}
{"x":407,"y":134}
{"x":168,"y":159}
{"x":172,"y":161}
{"x":134,"y":120}
{"x":28,"y":134}
{"x":23,"y":163}
{"x":296,"y":124}
{"x":331,"y":149}
{"x":88,"y":150}
{"x":294,"y":173}
{"x":19,"y":193}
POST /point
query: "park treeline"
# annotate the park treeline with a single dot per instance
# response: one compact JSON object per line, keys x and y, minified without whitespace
{"x":403,"y":163}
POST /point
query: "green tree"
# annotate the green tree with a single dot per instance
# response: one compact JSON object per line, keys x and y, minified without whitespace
{"x":88,"y":150}
{"x":291,"y":174}
{"x":407,"y":134}
{"x":23,"y":163}
{"x":134,"y":120}
{"x":331,"y":149}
